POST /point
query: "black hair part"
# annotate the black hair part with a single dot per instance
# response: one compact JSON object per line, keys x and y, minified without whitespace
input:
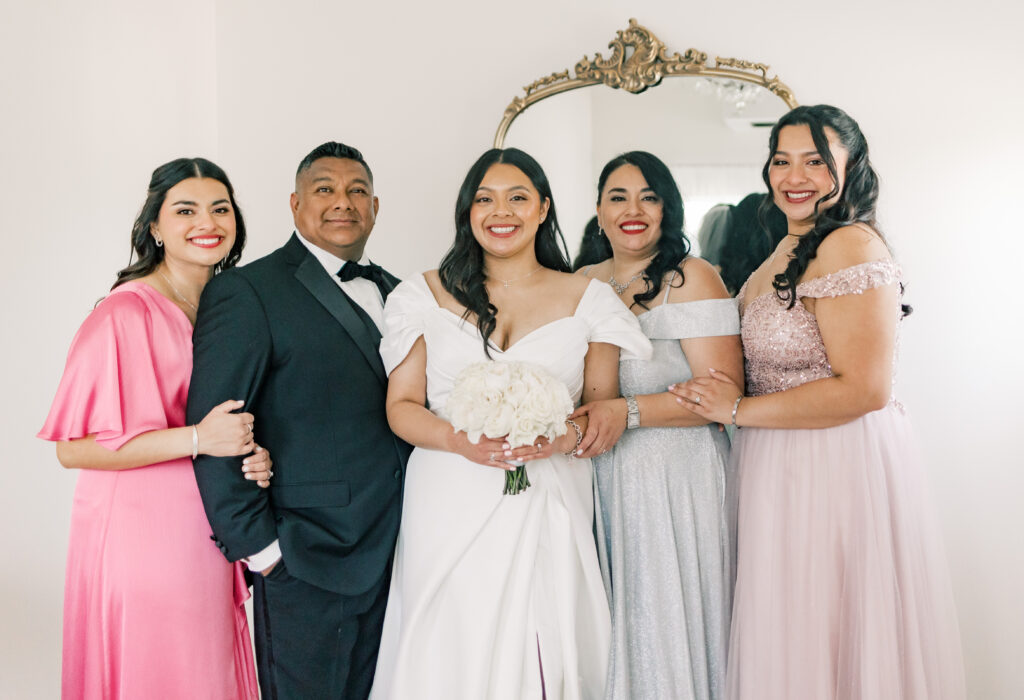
{"x":333,"y":149}
{"x":149,"y":254}
{"x":462,"y":269}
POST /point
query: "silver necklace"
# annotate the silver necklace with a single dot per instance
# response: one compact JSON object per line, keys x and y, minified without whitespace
{"x":620,"y":287}
{"x":176,"y":292}
{"x":508,"y":283}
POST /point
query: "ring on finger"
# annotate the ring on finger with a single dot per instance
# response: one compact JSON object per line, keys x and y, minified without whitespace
{"x":697,"y":400}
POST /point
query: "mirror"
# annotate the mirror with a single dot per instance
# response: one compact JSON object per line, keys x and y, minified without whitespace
{"x":711,"y":128}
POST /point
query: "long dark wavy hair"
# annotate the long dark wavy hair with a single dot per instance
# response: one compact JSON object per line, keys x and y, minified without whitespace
{"x":144,"y":248}
{"x":673,"y":246}
{"x":857,"y":202}
{"x":756,"y":226}
{"x":594,"y":246}
{"x":462,"y":269}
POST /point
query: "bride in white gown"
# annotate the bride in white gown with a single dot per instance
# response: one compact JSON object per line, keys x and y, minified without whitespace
{"x":498,"y":596}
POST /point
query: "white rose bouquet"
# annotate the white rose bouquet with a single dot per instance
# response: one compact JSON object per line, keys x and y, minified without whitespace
{"x":515,"y":400}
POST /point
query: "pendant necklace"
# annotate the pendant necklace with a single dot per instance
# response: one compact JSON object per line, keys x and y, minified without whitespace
{"x":621,"y":287}
{"x":508,"y":283}
{"x":176,"y":292}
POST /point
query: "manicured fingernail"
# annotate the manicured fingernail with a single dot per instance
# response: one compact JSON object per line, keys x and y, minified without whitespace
{"x":506,"y":446}
{"x":678,"y":400}
{"x":671,"y":386}
{"x":579,"y":452}
{"x":508,"y":453}
{"x":711,"y":369}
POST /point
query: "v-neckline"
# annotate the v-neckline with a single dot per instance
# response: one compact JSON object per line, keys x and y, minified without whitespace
{"x":539,"y":328}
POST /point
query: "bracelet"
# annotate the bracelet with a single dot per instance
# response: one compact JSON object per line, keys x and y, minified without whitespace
{"x":736,"y":407}
{"x":632,"y":412}
{"x":579,"y":437}
{"x":195,"y":442}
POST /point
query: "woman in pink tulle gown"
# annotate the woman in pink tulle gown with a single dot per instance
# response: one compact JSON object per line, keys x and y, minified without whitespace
{"x":842,"y":589}
{"x":151,"y":607}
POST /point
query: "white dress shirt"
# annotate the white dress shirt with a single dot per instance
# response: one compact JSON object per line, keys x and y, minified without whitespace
{"x":367,"y":295}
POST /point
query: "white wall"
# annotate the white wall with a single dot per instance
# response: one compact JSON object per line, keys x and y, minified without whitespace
{"x":97,"y":94}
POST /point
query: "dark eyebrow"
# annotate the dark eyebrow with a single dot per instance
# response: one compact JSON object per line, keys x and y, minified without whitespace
{"x":515,"y":187}
{"x":623,"y":190}
{"x":805,"y":153}
{"x":193,"y":204}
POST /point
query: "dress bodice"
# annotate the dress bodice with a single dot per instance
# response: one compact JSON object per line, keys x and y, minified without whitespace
{"x":453,"y":342}
{"x":782,"y":347}
{"x":666,"y":325}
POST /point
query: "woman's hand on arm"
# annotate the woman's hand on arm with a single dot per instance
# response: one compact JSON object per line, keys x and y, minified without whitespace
{"x":858,"y":331}
{"x":413,"y":422}
{"x":221,"y":433}
{"x":604,"y":426}
{"x":258,"y":467}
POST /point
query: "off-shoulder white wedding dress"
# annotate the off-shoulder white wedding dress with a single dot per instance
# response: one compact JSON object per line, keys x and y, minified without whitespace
{"x":489,"y":592}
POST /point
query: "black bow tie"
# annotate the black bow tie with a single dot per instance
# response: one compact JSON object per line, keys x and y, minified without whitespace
{"x":375,"y":273}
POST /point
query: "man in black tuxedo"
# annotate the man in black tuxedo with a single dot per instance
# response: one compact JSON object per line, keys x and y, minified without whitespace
{"x":295,"y":334}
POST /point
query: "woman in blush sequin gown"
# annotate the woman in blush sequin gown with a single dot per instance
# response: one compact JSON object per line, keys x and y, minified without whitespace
{"x":665,"y":528}
{"x":151,"y":607}
{"x":842,"y":589}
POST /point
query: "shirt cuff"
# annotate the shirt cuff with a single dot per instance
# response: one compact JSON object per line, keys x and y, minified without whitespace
{"x":263,"y":559}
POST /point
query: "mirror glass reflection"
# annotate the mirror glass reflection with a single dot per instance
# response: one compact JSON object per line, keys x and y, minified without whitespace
{"x":712,"y":132}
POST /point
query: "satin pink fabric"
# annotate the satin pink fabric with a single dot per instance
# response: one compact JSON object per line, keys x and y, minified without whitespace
{"x":151,"y":607}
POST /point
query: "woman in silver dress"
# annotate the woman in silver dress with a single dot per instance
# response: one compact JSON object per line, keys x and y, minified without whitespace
{"x":664,"y":533}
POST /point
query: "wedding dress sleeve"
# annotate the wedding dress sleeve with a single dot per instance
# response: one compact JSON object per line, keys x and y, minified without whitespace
{"x":405,"y":314}
{"x":109,"y":381}
{"x":611,"y":322}
{"x":851,"y":280}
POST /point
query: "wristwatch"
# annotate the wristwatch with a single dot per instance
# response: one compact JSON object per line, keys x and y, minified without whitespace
{"x":632,"y":412}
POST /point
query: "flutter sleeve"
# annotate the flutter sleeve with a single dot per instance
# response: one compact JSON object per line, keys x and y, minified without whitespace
{"x":611,"y":322}
{"x":109,"y":388}
{"x":404,"y":317}
{"x":851,"y":280}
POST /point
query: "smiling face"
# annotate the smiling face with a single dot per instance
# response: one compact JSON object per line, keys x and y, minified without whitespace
{"x":799,"y":177}
{"x":630,"y":212}
{"x":334,"y":207}
{"x":196,"y":222}
{"x":507,"y":210}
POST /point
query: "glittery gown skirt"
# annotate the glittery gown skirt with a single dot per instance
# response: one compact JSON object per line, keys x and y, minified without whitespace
{"x":666,"y":527}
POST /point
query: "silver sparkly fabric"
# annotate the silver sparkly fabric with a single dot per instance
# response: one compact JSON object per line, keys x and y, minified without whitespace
{"x":782,"y":348}
{"x":664,"y":532}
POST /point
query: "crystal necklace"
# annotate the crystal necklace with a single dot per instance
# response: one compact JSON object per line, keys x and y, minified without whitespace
{"x":508,"y":283}
{"x":621,"y":287}
{"x":176,"y":292}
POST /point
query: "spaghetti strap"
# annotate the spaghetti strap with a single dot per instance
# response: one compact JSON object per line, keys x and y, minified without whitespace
{"x":668,"y":286}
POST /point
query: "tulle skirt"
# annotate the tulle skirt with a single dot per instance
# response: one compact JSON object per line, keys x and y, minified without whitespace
{"x":842,"y":586}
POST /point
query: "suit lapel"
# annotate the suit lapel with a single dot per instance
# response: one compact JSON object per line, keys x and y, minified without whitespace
{"x":314,"y":278}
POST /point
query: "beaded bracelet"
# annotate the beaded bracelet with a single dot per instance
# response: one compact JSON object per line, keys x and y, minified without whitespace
{"x":579,"y":437}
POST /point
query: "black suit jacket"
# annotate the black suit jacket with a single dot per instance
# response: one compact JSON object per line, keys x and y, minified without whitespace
{"x":279,"y":334}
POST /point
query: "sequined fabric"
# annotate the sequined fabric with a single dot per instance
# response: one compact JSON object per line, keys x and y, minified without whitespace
{"x":664,"y":530}
{"x":782,"y":347}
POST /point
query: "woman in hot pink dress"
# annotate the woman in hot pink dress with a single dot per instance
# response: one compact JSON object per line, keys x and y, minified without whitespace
{"x":151,"y":607}
{"x":842,"y":589}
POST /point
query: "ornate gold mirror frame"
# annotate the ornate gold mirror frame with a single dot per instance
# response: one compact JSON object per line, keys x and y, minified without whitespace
{"x":640,"y":60}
